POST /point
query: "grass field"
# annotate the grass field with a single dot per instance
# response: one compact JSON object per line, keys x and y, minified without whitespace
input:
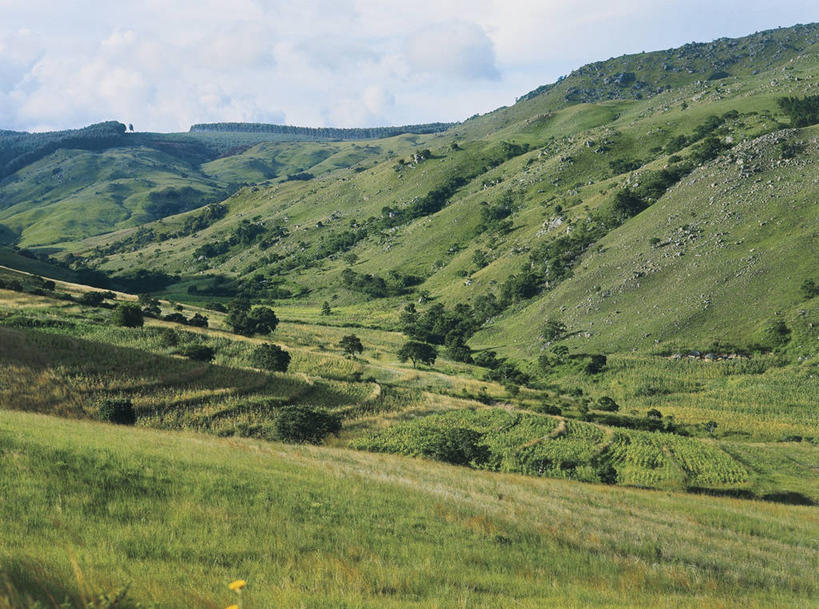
{"x":660,"y":450}
{"x":63,"y":358}
{"x":178,"y":516}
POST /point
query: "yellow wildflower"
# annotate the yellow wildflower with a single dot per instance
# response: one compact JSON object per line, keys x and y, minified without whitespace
{"x":237,"y":585}
{"x":232,"y":607}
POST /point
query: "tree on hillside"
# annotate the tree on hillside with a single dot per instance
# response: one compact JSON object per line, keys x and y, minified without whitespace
{"x":554,"y":329}
{"x":418,"y":352}
{"x":92,"y":299}
{"x":325,"y":308}
{"x":351,"y":345}
{"x":246,"y":321}
{"x":303,"y":423}
{"x":129,"y":315}
{"x":270,"y":357}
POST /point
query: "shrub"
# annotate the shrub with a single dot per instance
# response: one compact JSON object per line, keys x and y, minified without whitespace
{"x":607,"y":404}
{"x":459,"y":446}
{"x":809,"y":288}
{"x":199,"y":353}
{"x":176,"y":318}
{"x":300,"y":424}
{"x":487,"y":359}
{"x":596,"y":363}
{"x":119,"y":411}
{"x":198,"y":320}
{"x":270,"y":357}
{"x":554,"y":329}
{"x":92,"y":299}
{"x":129,"y":315}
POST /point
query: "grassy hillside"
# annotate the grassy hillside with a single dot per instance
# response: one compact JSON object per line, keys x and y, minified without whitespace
{"x":91,"y":508}
{"x":503,"y":197}
{"x":65,"y":357}
{"x":617,"y":273}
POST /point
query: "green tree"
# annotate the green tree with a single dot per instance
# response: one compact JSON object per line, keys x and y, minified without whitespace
{"x":128,"y":314}
{"x":809,"y":288}
{"x":607,"y":404}
{"x":418,"y":352}
{"x":351,"y":345}
{"x":92,"y":299}
{"x":300,"y":424}
{"x":198,"y":320}
{"x":554,"y":329}
{"x":325,"y":308}
{"x":246,"y":321}
{"x":119,"y":411}
{"x":199,"y":353}
{"x":270,"y":357}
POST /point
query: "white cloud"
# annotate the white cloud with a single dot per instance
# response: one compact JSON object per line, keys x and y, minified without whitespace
{"x":164,"y":65}
{"x":458,"y":49}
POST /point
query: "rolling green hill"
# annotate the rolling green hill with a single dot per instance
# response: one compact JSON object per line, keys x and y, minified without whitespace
{"x":521,"y":205}
{"x":618,"y":275}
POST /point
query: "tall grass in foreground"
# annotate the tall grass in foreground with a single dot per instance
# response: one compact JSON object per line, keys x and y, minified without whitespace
{"x":180,"y":516}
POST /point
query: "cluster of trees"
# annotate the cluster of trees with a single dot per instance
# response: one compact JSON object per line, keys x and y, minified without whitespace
{"x":170,"y":201}
{"x":440,"y":326}
{"x":322,"y":133}
{"x":802,"y":112}
{"x":197,"y":320}
{"x":703,"y":130}
{"x":495,"y":217}
{"x":144,"y":235}
{"x":18,"y":149}
{"x":244,"y":235}
{"x":377,"y":287}
{"x":247,"y":320}
{"x":256,"y":286}
{"x":143,"y":281}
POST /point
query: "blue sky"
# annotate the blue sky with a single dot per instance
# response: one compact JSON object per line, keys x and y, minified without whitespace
{"x":164,"y":65}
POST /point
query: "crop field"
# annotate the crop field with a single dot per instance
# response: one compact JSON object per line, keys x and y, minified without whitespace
{"x":63,"y":358}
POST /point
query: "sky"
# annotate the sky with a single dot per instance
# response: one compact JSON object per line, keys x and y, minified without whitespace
{"x":163,"y":65}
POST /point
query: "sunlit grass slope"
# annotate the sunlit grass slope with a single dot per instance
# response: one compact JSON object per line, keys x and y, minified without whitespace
{"x":176,"y":517}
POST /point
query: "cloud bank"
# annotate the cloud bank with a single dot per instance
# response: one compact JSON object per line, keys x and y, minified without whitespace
{"x":163,"y":66}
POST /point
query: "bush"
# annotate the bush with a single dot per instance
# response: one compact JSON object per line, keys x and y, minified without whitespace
{"x":596,"y":363}
{"x":198,"y":320}
{"x":92,"y":299}
{"x":487,"y":359}
{"x":607,"y":404}
{"x":270,"y":357}
{"x":554,"y":329}
{"x":548,"y":409}
{"x":459,"y":446}
{"x":129,"y":315}
{"x":119,"y":411}
{"x":177,"y":318}
{"x":199,"y":353}
{"x":300,"y":424}
{"x":809,"y":288}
